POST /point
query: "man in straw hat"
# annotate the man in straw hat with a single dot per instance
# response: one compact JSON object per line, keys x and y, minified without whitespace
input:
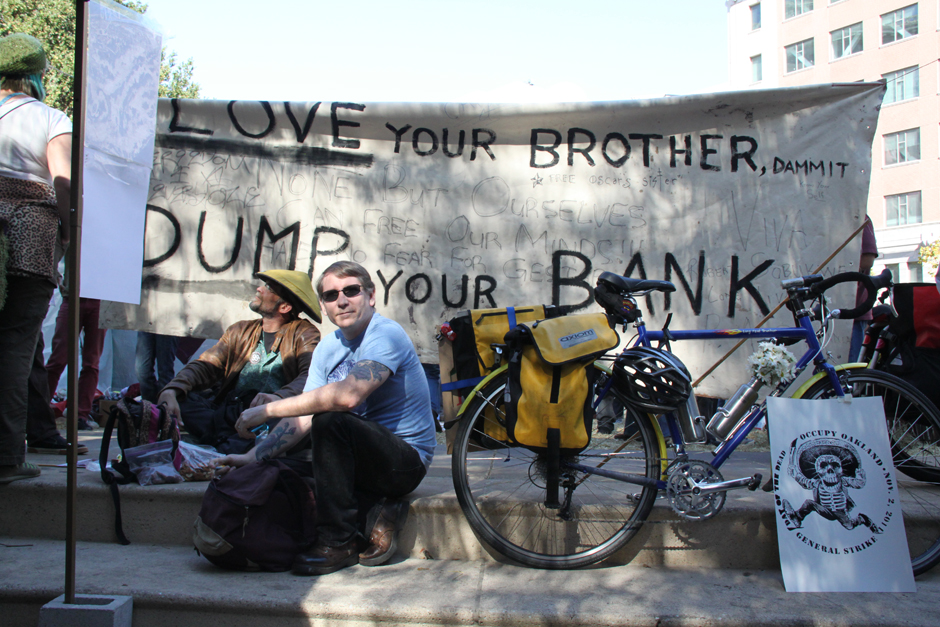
{"x":255,"y":362}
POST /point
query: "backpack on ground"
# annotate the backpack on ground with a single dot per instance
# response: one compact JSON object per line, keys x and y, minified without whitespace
{"x":256,"y":517}
{"x":549,"y":406}
{"x":137,"y":423}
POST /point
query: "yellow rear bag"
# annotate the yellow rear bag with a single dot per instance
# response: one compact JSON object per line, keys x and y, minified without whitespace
{"x":551,"y":376}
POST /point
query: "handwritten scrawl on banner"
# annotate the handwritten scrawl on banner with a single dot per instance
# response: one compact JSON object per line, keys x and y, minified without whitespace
{"x":464,"y":206}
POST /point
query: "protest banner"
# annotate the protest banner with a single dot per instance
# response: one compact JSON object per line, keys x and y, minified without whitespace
{"x":455,"y":206}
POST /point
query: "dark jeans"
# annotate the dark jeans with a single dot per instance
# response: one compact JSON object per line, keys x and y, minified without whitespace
{"x":20,"y":321}
{"x":356,"y":463}
{"x":154,"y":349}
{"x":40,"y":419}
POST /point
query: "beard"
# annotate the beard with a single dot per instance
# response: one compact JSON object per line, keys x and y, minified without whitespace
{"x":257,"y":306}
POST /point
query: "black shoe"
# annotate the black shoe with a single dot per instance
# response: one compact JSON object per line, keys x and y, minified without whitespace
{"x":322,"y":560}
{"x":87,"y":425}
{"x":55,"y":445}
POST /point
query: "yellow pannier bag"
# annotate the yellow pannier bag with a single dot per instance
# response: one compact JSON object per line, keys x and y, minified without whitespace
{"x":476,"y":330}
{"x":551,"y":377}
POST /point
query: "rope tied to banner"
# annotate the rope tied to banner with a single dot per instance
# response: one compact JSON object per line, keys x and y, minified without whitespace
{"x":778,"y":307}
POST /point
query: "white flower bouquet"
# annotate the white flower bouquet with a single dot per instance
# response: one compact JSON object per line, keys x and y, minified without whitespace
{"x":772,"y":364}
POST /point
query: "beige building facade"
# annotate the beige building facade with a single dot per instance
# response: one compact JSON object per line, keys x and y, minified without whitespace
{"x":784,"y":43}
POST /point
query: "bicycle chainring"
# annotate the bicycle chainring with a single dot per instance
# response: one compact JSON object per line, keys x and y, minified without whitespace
{"x":680,"y":488}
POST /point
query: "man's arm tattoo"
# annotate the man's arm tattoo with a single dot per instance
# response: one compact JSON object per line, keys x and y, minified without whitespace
{"x":274,"y":444}
{"x":368,"y":370}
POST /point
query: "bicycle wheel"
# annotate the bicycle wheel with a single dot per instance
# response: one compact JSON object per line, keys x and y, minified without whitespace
{"x":914,"y":434}
{"x":501,"y":489}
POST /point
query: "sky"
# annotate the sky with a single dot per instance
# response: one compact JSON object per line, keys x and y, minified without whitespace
{"x":448,"y":50}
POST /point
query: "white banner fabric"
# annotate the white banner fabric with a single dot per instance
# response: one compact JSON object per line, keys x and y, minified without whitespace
{"x":454,"y":207}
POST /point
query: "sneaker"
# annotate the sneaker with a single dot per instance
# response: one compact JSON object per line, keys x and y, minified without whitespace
{"x":9,"y":474}
{"x":56,"y":445}
{"x":87,"y":425}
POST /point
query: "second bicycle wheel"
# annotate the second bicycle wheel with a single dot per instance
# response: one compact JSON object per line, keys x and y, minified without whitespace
{"x":501,"y":489}
{"x":914,"y":434}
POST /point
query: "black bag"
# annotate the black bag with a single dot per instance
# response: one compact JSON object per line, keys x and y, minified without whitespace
{"x":137,"y":422}
{"x":256,"y":517}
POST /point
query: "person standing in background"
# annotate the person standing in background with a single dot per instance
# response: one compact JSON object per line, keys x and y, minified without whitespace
{"x":866,"y":260}
{"x":92,"y":345}
{"x":35,"y":185}
{"x":154,"y":350}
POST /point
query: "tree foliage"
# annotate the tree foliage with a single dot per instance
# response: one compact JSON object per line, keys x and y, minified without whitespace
{"x":53,"y":23}
{"x":176,"y":80}
{"x":929,"y":257}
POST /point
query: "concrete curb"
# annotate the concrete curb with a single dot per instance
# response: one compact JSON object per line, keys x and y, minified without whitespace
{"x":174,"y":586}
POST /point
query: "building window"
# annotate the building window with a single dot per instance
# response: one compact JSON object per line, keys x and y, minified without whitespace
{"x":901,"y":209}
{"x":797,"y":7}
{"x":757,"y":70}
{"x":899,"y":24}
{"x":846,"y":41}
{"x":902,"y":85}
{"x":800,"y":55}
{"x":902,"y":147}
{"x":755,"y":16}
{"x":915,"y":272}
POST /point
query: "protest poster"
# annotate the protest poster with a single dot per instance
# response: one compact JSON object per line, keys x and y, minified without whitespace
{"x":837,"y":506}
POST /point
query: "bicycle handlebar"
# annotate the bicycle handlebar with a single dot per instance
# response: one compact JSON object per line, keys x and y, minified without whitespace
{"x":818,"y":285}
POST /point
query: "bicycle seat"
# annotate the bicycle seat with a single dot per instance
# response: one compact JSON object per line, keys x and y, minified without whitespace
{"x":627,"y":285}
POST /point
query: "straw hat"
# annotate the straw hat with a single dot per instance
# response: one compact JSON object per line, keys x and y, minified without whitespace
{"x":298,"y":284}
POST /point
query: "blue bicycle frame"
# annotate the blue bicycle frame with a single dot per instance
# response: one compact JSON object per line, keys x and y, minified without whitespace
{"x":804,"y":332}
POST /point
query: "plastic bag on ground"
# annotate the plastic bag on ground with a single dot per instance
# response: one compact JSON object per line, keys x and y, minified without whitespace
{"x":153,"y":463}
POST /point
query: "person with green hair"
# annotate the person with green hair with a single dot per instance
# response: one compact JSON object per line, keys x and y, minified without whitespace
{"x":35,"y":183}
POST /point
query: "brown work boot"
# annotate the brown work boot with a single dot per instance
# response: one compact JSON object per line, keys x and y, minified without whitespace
{"x":384,"y":538}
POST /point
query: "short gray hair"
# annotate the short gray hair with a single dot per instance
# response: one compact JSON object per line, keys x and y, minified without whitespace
{"x":344,"y":269}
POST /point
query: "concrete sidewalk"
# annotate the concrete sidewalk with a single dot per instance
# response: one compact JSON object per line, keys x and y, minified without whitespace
{"x":719,"y":572}
{"x":171,"y":585}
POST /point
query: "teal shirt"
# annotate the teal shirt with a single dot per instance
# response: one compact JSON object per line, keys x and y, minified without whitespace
{"x":264,"y":372}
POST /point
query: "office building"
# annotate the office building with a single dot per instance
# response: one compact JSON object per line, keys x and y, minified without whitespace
{"x":785,"y":43}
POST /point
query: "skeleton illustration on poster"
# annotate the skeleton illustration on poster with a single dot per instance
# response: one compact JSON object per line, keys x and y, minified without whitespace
{"x":839,"y":522}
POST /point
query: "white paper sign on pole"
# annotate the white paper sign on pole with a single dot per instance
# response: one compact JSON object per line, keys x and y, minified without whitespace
{"x":839,"y":521}
{"x":121,"y":107}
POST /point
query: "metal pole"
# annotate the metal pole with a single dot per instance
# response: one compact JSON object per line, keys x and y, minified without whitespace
{"x":73,"y":261}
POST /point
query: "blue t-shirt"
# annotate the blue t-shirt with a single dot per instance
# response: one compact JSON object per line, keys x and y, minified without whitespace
{"x":403,"y":403}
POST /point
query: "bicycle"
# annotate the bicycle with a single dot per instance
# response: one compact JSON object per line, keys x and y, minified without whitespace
{"x":608,"y":490}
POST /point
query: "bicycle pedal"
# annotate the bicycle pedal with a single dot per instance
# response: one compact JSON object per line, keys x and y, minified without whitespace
{"x":755,"y":482}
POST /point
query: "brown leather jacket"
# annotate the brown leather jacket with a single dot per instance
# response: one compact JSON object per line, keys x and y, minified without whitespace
{"x":224,"y":361}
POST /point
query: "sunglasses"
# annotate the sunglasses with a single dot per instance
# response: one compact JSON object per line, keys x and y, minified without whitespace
{"x":349,"y":291}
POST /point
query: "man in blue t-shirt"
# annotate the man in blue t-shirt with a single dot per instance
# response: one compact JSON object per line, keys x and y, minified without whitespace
{"x":366,"y":405}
